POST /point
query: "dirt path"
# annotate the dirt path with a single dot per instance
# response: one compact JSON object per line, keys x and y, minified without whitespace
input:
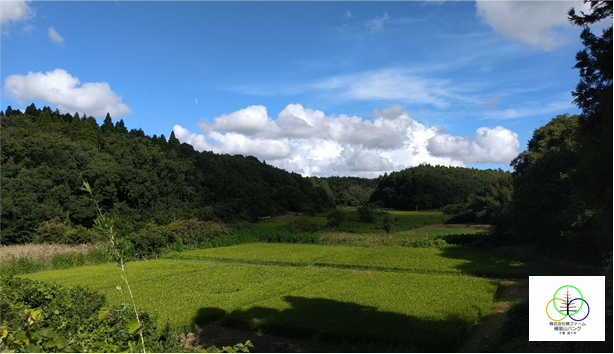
{"x":511,"y":291}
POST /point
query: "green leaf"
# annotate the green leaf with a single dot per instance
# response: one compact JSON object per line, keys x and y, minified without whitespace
{"x":61,"y":342}
{"x":47,"y":333}
{"x":86,"y":187}
{"x":21,"y":336}
{"x":133,"y":327}
{"x":33,"y":348}
{"x":104,"y":312}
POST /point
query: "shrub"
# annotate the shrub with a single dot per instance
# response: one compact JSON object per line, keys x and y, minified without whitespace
{"x":149,"y":241}
{"x":477,"y":240}
{"x":305,"y":224}
{"x":335,"y":217}
{"x":54,"y":232}
{"x":387,"y":222}
{"x":50,"y":318}
{"x":365,"y":213}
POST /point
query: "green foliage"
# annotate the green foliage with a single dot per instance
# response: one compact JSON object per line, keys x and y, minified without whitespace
{"x":37,"y":317}
{"x":563,"y":181}
{"x":22,"y":265}
{"x":544,"y":208}
{"x":52,"y":232}
{"x":152,"y":239}
{"x":277,"y":234}
{"x":427,"y":243}
{"x":431,"y":187}
{"x":347,"y":191}
{"x":479,"y":240}
{"x":138,"y":180}
{"x":387,"y":222}
{"x":335,"y":217}
{"x":305,"y":224}
{"x":366,"y":213}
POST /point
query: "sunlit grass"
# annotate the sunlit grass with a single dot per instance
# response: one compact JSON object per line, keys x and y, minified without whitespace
{"x":403,"y":259}
{"x":396,"y":307}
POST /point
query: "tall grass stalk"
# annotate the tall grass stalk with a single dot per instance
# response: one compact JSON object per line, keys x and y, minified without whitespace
{"x":104,"y":225}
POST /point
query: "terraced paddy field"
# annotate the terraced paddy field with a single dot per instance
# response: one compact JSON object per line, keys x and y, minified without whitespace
{"x":421,"y":299}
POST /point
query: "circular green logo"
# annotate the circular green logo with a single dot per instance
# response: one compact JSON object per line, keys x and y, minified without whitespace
{"x":567,"y":303}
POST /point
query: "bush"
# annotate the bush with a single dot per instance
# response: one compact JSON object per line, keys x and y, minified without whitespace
{"x":58,"y":319}
{"x":22,"y":265}
{"x":54,"y":232}
{"x":335,"y":217}
{"x":305,"y":224}
{"x":478,"y":240}
{"x":462,"y":218}
{"x":453,"y":209}
{"x":387,"y":221}
{"x":149,"y":241}
{"x":365,"y":213}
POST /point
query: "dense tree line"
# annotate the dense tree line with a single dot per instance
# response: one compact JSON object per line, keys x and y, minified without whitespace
{"x":431,"y":187}
{"x":562,"y":182}
{"x":47,"y":155}
{"x":347,"y":191}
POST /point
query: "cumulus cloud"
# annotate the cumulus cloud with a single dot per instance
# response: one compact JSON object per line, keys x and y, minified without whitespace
{"x":55,"y":36}
{"x":377,"y":24}
{"x":312,"y":143}
{"x":62,"y":89}
{"x":498,"y":145}
{"x":530,"y":22}
{"x":13,"y":11}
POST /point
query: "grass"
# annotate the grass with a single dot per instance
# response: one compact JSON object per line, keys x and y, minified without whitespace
{"x":417,"y":260}
{"x":396,"y":238}
{"x":329,"y":304}
{"x":41,"y":252}
{"x":29,"y":258}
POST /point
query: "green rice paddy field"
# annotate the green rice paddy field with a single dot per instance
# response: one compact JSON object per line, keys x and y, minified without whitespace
{"x":425,"y":299}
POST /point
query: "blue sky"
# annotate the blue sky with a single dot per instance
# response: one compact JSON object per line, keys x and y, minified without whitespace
{"x":319,"y":88}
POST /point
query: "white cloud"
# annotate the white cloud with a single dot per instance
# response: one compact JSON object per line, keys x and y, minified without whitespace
{"x":309,"y":142}
{"x":533,"y":109}
{"x":391,"y":84}
{"x":55,"y":36}
{"x":348,"y":14}
{"x":13,"y":11}
{"x":530,"y":22}
{"x":249,"y":121}
{"x":377,"y":24}
{"x":61,"y":89}
{"x":498,"y":145}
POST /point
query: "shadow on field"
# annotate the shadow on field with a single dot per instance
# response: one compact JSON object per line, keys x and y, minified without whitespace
{"x":337,"y":322}
{"x":492,"y":263}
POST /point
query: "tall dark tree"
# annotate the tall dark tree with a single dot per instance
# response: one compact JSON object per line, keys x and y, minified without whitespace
{"x":593,"y":96}
{"x":107,"y":125}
